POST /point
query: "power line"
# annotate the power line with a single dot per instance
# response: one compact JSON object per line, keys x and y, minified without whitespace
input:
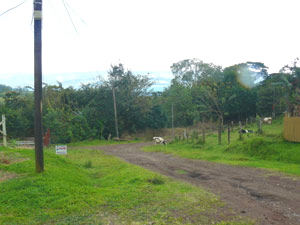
{"x":70,"y":17}
{"x":76,"y":13}
{"x":57,"y":17}
{"x":13,"y":8}
{"x":31,"y":19}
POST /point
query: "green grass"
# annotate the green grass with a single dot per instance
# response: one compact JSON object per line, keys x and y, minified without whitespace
{"x":100,"y":142}
{"x":89,"y":187}
{"x":268,"y":150}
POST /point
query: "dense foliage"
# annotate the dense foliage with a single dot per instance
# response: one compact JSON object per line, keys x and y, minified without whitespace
{"x":198,"y":91}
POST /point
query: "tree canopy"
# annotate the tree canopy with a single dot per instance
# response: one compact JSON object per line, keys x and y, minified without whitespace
{"x":197,"y":91}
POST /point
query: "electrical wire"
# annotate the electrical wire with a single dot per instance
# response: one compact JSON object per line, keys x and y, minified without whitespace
{"x":70,"y":17}
{"x":13,"y":8}
{"x":75,"y":13}
{"x":58,"y":17}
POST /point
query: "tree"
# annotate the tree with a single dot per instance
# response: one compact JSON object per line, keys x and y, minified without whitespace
{"x":271,"y":95}
{"x":192,"y":71}
{"x":181,"y":97}
{"x":189,"y":76}
{"x":19,"y":114}
{"x":130,"y":92}
{"x":243,"y":104}
{"x":290,"y":78}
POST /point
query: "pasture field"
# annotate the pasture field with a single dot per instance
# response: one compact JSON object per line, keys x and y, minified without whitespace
{"x":89,"y":187}
{"x":268,"y":150}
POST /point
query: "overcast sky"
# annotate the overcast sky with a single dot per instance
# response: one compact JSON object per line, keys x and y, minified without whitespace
{"x":149,"y":35}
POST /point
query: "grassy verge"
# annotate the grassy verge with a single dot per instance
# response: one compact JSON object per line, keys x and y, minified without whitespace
{"x":267,"y":150}
{"x":88,"y":187}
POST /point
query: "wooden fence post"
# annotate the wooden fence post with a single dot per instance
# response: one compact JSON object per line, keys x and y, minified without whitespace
{"x":231,"y":125}
{"x":240,"y":123}
{"x":259,"y":126}
{"x":220,"y":132}
{"x":203,"y":135}
{"x":229,"y":134}
{"x":3,"y":132}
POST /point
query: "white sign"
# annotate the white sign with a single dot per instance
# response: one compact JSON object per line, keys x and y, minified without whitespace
{"x":61,"y":149}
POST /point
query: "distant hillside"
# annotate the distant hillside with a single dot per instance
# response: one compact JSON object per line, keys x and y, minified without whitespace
{"x":4,"y":88}
{"x":76,"y":79}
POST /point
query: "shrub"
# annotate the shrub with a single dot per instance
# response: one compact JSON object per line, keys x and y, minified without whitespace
{"x":157,"y":180}
{"x":88,"y":164}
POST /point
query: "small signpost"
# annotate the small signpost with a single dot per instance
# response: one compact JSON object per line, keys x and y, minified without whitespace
{"x":61,"y":149}
{"x":3,"y":132}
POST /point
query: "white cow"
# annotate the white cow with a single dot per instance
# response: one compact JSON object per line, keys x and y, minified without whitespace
{"x":159,"y":140}
{"x":267,"y":120}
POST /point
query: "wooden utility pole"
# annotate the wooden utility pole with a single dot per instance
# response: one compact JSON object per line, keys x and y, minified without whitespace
{"x":115,"y":110}
{"x":220,"y":131}
{"x":38,"y":137}
{"x":173,"y":133}
{"x":3,"y":132}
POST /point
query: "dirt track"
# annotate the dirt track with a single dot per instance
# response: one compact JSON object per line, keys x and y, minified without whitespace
{"x":267,"y":198}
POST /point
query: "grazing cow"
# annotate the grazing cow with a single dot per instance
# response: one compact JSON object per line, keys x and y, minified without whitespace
{"x":245,"y":131}
{"x":159,"y":140}
{"x":267,"y":120}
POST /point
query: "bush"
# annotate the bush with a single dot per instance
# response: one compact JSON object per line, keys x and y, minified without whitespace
{"x":88,"y":164}
{"x":157,"y":180}
{"x":66,"y":127}
{"x":80,"y":128}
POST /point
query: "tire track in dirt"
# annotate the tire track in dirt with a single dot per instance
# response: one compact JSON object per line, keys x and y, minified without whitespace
{"x":256,"y":193}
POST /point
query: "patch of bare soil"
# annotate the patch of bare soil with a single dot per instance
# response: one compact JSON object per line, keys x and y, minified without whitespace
{"x":11,"y":159}
{"x":268,"y":198}
{"x":6,"y":176}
